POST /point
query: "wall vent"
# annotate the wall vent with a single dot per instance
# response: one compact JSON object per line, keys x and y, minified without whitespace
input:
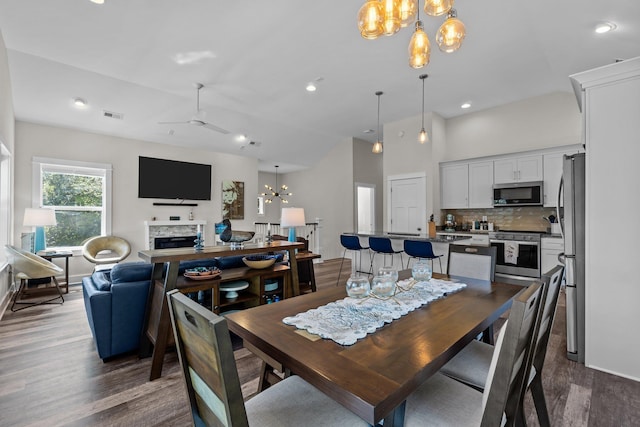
{"x":112,"y":115}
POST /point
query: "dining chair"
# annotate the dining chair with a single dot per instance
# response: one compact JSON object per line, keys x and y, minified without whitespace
{"x":471,"y":365}
{"x":477,"y":262}
{"x":421,"y":250}
{"x":351,"y":242}
{"x":382,"y":245}
{"x":444,"y":401}
{"x":27,"y":266}
{"x":213,"y":388}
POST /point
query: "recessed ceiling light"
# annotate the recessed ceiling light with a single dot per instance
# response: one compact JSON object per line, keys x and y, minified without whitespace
{"x":97,"y":1}
{"x":605,"y":27}
{"x":241,"y":138}
{"x":311,"y":87}
{"x":368,"y":131}
{"x":79,"y":102}
{"x":188,"y":58}
{"x":466,"y":105}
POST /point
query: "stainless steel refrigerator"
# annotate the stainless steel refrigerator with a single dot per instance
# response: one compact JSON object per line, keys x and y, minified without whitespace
{"x":572,"y":222}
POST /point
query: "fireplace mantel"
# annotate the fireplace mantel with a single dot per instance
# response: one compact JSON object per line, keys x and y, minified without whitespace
{"x":155,"y":229}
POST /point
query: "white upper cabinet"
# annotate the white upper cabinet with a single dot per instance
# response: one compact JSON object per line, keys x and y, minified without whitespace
{"x":481,"y":184}
{"x":454,"y":180}
{"x":518,"y":169}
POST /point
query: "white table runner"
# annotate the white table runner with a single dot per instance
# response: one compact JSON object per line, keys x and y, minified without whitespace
{"x":347,"y":320}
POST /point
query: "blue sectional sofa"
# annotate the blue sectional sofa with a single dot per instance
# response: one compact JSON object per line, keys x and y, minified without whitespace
{"x":116,"y":300}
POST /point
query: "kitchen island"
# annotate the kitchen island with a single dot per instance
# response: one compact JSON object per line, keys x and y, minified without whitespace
{"x":440,"y":245}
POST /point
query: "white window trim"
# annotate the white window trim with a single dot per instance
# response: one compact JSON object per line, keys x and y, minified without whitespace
{"x":82,"y":167}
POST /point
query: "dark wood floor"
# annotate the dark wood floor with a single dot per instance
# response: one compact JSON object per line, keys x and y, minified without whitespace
{"x":50,"y":375}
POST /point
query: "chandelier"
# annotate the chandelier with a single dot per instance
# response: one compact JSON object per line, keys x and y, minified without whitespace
{"x":387,"y":17}
{"x":273,"y":193}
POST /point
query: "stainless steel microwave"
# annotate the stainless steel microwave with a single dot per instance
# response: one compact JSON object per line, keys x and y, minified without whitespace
{"x":518,"y":194}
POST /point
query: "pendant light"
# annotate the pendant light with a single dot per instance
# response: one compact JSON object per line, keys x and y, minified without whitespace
{"x":377,"y":147}
{"x":392,"y":19}
{"x":275,"y":191}
{"x":408,"y":11}
{"x":423,"y":136}
{"x":419,"y":46}
{"x":371,"y":20}
{"x":451,"y":33}
{"x":437,"y":7}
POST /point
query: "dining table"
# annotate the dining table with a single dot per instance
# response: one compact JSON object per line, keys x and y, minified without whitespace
{"x":374,"y":376}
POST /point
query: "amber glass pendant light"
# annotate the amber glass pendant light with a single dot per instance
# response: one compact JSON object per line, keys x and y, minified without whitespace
{"x":408,"y":11}
{"x":377,"y":147}
{"x":419,"y":47}
{"x":451,"y":33}
{"x":392,"y":19}
{"x":371,"y":20}
{"x":437,"y":7}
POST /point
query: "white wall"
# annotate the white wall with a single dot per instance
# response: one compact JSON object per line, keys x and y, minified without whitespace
{"x":7,"y":129}
{"x":367,"y":169}
{"x":129,"y":212}
{"x":326,"y":191}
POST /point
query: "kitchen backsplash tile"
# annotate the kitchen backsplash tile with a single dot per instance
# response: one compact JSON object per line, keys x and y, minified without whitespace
{"x":509,"y":218}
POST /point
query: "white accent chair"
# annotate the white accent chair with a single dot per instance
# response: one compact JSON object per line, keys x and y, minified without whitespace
{"x":94,"y":250}
{"x":27,"y":266}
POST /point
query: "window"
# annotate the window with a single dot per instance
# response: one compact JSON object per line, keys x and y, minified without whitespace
{"x":80,"y":193}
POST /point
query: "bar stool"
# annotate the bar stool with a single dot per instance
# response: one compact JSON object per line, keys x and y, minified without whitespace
{"x":421,"y":250}
{"x":351,"y":242}
{"x":382,"y":245}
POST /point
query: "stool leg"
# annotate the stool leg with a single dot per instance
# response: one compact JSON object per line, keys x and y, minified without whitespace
{"x":340,"y":271}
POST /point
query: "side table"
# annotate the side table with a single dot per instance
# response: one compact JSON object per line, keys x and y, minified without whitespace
{"x":49,"y":256}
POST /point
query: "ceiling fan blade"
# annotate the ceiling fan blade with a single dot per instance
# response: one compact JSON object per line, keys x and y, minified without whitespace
{"x":173,"y":123}
{"x":216,"y":128}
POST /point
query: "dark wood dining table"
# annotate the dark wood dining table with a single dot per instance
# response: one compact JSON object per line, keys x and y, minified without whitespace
{"x":374,"y":376}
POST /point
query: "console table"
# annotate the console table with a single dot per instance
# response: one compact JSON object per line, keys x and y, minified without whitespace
{"x":157,"y":327}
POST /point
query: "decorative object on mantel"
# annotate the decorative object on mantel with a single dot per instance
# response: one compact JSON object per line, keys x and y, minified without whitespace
{"x":233,"y":199}
{"x":276,"y":193}
{"x":377,"y":147}
{"x":377,"y":18}
{"x":235,"y":238}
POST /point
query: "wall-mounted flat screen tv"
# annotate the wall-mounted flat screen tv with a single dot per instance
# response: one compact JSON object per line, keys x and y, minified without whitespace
{"x":172,"y":179}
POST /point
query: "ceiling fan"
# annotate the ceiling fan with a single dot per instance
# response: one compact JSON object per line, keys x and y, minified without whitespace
{"x":195,"y":120}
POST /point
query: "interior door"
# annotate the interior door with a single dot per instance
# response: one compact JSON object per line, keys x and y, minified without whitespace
{"x":365,"y":204}
{"x":408,"y":205}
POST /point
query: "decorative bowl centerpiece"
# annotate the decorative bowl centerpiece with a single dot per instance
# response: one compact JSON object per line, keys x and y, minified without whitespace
{"x":201,"y":273}
{"x":259,"y":261}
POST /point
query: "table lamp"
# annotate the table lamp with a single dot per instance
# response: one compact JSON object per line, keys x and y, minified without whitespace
{"x":39,"y":218}
{"x":292,"y":218}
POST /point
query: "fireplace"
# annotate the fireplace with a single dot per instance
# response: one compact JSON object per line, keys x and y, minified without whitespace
{"x":173,"y":242}
{"x":173,"y":234}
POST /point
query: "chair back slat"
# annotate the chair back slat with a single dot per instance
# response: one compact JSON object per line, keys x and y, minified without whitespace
{"x":554,"y":279}
{"x":476,"y":262}
{"x":209,"y":368}
{"x":512,"y":356}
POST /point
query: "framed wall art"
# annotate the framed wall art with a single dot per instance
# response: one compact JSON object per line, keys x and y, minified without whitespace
{"x":232,"y":200}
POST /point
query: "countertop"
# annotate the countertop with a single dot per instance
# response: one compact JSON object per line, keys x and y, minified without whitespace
{"x":420,"y":237}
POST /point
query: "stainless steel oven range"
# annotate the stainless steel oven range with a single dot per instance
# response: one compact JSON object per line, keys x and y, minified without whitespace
{"x":518,"y":253}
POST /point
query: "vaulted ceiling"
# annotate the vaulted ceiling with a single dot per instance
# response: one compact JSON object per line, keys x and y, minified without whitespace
{"x":140,"y":59}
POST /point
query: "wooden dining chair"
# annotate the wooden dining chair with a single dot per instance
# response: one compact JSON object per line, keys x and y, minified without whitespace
{"x":477,"y":262}
{"x":444,"y":401}
{"x":212,"y":384}
{"x":471,"y":365}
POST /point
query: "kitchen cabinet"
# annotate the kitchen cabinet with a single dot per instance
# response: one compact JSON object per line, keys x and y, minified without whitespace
{"x":454,"y":189}
{"x":518,"y":169}
{"x":481,"y":184}
{"x":550,"y":248}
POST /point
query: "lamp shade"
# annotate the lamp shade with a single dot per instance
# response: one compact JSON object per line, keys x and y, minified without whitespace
{"x":39,"y":217}
{"x":292,"y":217}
